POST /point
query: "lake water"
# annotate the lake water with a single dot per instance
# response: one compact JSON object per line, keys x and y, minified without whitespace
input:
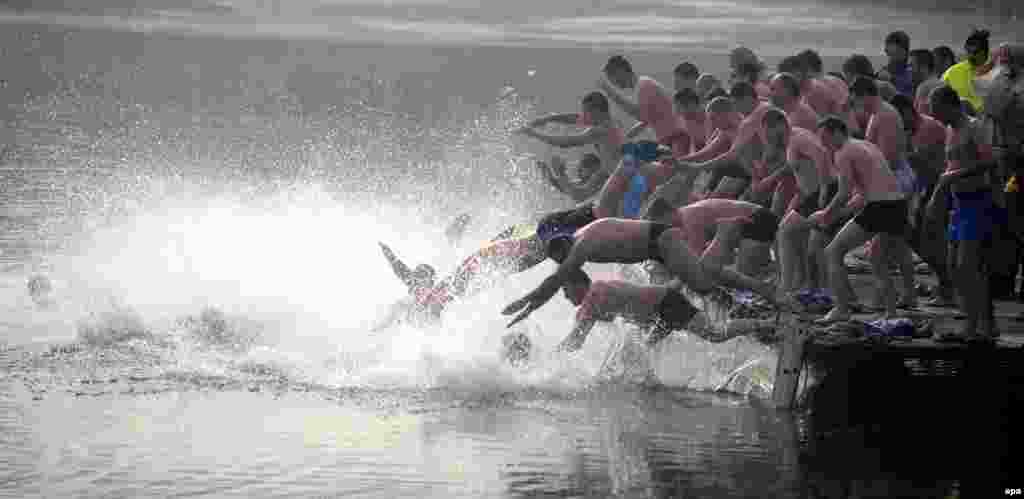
{"x":162,"y":159}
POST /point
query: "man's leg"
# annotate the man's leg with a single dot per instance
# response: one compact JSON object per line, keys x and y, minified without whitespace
{"x":850,"y":237}
{"x":970,"y":283}
{"x":890,"y":246}
{"x":816,"y":244}
{"x":793,"y":257}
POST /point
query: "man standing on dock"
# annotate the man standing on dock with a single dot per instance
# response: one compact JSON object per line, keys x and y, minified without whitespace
{"x":861,"y":167}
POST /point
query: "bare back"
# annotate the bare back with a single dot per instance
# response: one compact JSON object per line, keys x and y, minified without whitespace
{"x":616,"y":240}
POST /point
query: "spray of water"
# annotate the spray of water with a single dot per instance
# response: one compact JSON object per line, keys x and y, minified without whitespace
{"x":228,"y":278}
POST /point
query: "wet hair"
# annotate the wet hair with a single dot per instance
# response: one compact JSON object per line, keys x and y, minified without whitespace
{"x":924,"y":57}
{"x":900,"y":38}
{"x":743,"y":54}
{"x":979,"y":38}
{"x":685,"y":97}
{"x":721,"y":104}
{"x":791,"y":83}
{"x":791,"y":64}
{"x":864,"y":87}
{"x":618,"y":63}
{"x":944,"y":96}
{"x":742,"y":89}
{"x":596,"y":100}
{"x":687,"y":70}
{"x":858,"y":65}
{"x":811,"y":60}
{"x":833,"y":124}
{"x":774,"y":116}
{"x":902,"y":103}
{"x":748,"y":70}
{"x":558,"y":248}
{"x":716,"y":92}
{"x":658,"y":209}
{"x":943,"y":52}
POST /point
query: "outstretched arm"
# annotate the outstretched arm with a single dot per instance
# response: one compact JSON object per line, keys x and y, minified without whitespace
{"x":562,"y":118}
{"x":401,"y":270}
{"x":578,"y":255}
{"x":590,"y":136}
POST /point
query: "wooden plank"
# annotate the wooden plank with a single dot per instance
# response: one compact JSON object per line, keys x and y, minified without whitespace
{"x":793,"y":335}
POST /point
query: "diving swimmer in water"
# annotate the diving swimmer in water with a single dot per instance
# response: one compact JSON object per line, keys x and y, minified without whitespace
{"x":430,"y":297}
{"x":663,"y":308}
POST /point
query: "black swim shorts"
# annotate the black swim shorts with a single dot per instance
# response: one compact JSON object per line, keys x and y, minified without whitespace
{"x":763,"y":227}
{"x":888,"y":217}
{"x":674,"y":313}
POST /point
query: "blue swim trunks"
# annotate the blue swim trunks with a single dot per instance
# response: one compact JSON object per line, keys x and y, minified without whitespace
{"x":974,"y":216}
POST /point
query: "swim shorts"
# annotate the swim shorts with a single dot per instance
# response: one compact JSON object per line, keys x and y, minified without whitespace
{"x":674,"y":313}
{"x":888,"y":217}
{"x":972,"y":216}
{"x":763,"y":227}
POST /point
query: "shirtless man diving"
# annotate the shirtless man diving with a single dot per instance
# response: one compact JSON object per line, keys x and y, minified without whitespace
{"x":614,"y":240}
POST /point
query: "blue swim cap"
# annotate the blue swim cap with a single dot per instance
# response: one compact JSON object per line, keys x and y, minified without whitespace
{"x":550,"y":231}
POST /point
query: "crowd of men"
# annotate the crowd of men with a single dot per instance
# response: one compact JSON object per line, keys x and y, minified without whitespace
{"x":798,"y":166}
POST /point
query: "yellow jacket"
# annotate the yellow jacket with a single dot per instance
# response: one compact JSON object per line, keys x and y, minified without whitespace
{"x":960,"y":77}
